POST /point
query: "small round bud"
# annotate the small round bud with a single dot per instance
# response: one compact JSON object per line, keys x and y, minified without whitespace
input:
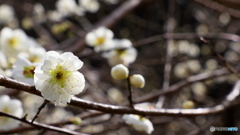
{"x":137,"y":80}
{"x":188,"y":105}
{"x":76,"y":121}
{"x":119,"y":72}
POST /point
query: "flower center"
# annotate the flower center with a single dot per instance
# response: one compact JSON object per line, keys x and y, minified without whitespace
{"x":100,"y":41}
{"x":141,"y":118}
{"x":34,"y":59}
{"x":121,"y":52}
{"x":28,"y":72}
{"x":13,"y":42}
{"x":6,"y":110}
{"x":59,"y":75}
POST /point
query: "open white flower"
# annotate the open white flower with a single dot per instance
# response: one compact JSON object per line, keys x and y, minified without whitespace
{"x":101,"y":39}
{"x":58,"y":78}
{"x":6,"y":14}
{"x":13,"y":107}
{"x":66,"y":7}
{"x":13,"y":41}
{"x":139,"y":123}
{"x":23,"y":70}
{"x":123,"y":53}
{"x":90,"y":5}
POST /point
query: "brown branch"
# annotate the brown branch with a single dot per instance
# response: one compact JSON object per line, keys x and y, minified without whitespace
{"x":57,"y":124}
{"x":176,"y":87}
{"x":220,"y":57}
{"x":39,"y":125}
{"x":39,"y":110}
{"x":218,"y":7}
{"x":113,"y":109}
{"x":224,"y":36}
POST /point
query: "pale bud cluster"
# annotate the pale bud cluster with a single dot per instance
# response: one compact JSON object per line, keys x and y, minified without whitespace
{"x":120,"y":72}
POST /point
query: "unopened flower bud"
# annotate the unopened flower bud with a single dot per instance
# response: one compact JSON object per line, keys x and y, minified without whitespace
{"x":137,"y":80}
{"x":76,"y":121}
{"x":119,"y":72}
{"x":188,"y":105}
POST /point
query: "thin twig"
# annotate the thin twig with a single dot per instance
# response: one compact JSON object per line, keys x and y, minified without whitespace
{"x":39,"y":125}
{"x":168,"y":60}
{"x":130,"y":93}
{"x":220,"y":57}
{"x":39,"y":110}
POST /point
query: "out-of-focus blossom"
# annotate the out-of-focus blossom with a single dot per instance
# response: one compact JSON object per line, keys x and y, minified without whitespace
{"x":23,"y":70}
{"x":181,"y":70}
{"x":202,"y":29}
{"x":193,"y":50}
{"x":199,"y":88}
{"x":211,"y":64}
{"x":66,"y":7}
{"x":34,"y":54}
{"x":58,"y":78}
{"x":12,"y":107}
{"x":6,"y":14}
{"x":90,"y":5}
{"x":224,"y":18}
{"x":101,"y":39}
{"x":194,"y":66}
{"x":38,"y":11}
{"x":231,"y":56}
{"x":54,"y":16}
{"x":13,"y":41}
{"x":123,"y":53}
{"x":183,"y":46}
{"x":3,"y":60}
{"x":139,"y":123}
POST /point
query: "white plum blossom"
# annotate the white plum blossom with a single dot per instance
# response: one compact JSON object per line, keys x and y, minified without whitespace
{"x":6,"y":14}
{"x":123,"y":53}
{"x":90,"y":5}
{"x":119,"y":72}
{"x":139,"y":123}
{"x":101,"y":39}
{"x":3,"y":60}
{"x":54,"y":16}
{"x":13,"y":41}
{"x":23,"y":70}
{"x":12,"y":107}
{"x":34,"y":54}
{"x":66,"y":7}
{"x":58,"y":78}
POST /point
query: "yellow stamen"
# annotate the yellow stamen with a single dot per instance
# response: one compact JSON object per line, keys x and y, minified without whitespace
{"x":13,"y":42}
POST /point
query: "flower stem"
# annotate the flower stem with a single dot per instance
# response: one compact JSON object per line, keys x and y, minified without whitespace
{"x":39,"y":110}
{"x":130,"y":93}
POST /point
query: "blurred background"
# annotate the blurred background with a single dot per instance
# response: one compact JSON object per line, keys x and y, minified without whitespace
{"x":163,"y":59}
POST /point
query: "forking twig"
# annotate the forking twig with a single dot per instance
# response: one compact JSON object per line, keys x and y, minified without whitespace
{"x":228,"y":66}
{"x":39,"y":110}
